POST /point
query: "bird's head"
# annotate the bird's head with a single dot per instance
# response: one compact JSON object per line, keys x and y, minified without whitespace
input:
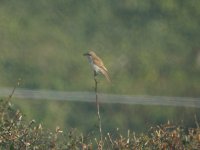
{"x":90,"y":53}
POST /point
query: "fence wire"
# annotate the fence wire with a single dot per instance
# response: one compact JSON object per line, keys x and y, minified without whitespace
{"x":103,"y":98}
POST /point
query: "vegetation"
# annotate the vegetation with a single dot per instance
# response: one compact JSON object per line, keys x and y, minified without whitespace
{"x":17,"y":133}
{"x":150,"y":47}
{"x":156,"y":45}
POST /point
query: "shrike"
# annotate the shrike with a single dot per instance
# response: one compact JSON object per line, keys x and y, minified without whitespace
{"x":97,"y":64}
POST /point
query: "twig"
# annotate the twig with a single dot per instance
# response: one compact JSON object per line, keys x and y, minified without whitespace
{"x":7,"y":100}
{"x":196,"y":121}
{"x":10,"y":96}
{"x":98,"y":113}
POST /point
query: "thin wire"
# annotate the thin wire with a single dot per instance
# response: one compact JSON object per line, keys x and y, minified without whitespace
{"x":103,"y":98}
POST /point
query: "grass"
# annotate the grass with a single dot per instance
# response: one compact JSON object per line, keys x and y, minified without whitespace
{"x":18,"y":133}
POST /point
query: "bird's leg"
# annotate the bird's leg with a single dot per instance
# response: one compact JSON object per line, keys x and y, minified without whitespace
{"x":95,"y":74}
{"x":95,"y":77}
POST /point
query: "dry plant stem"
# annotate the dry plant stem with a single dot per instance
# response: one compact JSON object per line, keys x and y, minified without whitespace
{"x":13,"y":91}
{"x":195,"y":118}
{"x":98,"y":113}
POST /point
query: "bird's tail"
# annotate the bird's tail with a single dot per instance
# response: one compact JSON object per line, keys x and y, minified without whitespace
{"x":105,"y":73}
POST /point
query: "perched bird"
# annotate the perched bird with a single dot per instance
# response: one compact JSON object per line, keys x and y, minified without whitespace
{"x":97,"y":64}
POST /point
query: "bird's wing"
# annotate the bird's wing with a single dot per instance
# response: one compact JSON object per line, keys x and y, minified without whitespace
{"x":103,"y":70}
{"x":99,"y":63}
{"x":105,"y":73}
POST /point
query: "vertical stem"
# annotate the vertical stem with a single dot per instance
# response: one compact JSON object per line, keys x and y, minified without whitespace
{"x":196,"y":121}
{"x":98,"y":113}
{"x":13,"y":91}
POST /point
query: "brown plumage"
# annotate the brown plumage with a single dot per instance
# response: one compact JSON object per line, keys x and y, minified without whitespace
{"x":97,"y":64}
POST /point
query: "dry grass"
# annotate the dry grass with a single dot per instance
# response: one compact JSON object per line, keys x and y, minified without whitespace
{"x":16,"y":133}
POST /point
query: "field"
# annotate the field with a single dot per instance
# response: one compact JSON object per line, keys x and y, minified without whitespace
{"x":18,"y":133}
{"x":151,"y":49}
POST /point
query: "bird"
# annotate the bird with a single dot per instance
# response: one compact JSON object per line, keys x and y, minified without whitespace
{"x":97,"y":65}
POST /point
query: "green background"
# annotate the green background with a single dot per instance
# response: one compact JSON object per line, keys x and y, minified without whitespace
{"x":150,"y":47}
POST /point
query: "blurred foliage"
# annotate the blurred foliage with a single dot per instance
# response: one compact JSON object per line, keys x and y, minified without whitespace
{"x":84,"y":115}
{"x":150,"y":47}
{"x":16,"y":133}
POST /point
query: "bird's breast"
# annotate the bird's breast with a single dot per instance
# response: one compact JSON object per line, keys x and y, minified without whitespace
{"x":94,"y":66}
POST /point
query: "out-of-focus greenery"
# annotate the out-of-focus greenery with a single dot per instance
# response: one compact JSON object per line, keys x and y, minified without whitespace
{"x":150,"y":47}
{"x":16,"y":133}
